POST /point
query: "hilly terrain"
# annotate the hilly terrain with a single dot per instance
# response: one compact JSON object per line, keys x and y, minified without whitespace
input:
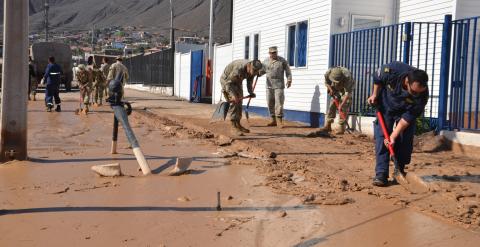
{"x":191,"y":16}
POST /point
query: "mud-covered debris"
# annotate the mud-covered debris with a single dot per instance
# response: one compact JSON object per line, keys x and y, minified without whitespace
{"x":183,"y":199}
{"x":281,"y":214}
{"x":309,"y":198}
{"x":229,"y":198}
{"x":109,"y":170}
{"x":223,"y":140}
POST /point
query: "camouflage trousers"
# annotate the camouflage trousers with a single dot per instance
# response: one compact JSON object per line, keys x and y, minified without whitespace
{"x":235,"y":110}
{"x":85,"y":95}
{"x":98,"y":92}
{"x":32,"y":87}
{"x":275,"y":100}
{"x":332,"y":110}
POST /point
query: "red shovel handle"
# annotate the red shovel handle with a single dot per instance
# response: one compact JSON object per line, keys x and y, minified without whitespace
{"x":385,"y":132}
{"x":337,"y":104}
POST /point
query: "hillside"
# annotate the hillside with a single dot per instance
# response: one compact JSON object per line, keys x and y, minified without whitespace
{"x":192,"y":15}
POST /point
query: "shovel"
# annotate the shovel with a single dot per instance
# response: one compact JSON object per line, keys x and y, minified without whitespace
{"x":221,"y":111}
{"x":343,"y":115}
{"x":250,"y":99}
{"x":411,"y":181}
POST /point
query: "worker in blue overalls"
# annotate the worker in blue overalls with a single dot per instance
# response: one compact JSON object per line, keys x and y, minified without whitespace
{"x":52,"y":78}
{"x":400,"y":93}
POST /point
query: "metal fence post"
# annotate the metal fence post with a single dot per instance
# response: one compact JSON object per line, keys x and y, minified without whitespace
{"x":406,"y":42}
{"x":444,"y":72}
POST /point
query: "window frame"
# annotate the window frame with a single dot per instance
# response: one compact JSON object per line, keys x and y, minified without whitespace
{"x":287,"y":40}
{"x":246,"y":49}
{"x":366,"y":17}
{"x":257,"y":47}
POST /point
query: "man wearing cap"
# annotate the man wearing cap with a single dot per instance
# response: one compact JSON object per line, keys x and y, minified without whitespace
{"x":231,"y":81}
{"x":340,"y":85}
{"x":275,"y":66}
{"x":118,"y":71}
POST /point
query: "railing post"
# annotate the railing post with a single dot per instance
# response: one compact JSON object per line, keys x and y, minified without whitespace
{"x":332,"y":51}
{"x":406,"y":42}
{"x":444,"y":72}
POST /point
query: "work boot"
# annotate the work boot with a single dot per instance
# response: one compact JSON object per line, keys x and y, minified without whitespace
{"x":273,"y":122}
{"x":235,"y":129}
{"x":49,"y":107}
{"x":280,"y":122}
{"x":58,"y":109}
{"x":340,"y":130}
{"x":86,"y":110}
{"x":242,"y":129}
{"x":379,"y":182}
{"x":328,"y":126}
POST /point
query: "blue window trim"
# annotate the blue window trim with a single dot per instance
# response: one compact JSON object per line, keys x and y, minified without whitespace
{"x":297,"y":44}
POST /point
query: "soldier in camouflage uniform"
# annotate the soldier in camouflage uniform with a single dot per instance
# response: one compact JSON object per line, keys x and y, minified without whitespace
{"x":105,"y":68}
{"x":85,"y":85}
{"x":231,"y":81}
{"x":118,"y":71}
{"x":99,"y":85}
{"x":275,"y":66}
{"x":340,"y":85}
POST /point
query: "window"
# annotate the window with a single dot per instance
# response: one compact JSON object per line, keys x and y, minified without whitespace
{"x":256,"y":38}
{"x":247,"y":47}
{"x":297,"y":40}
{"x":360,"y":22}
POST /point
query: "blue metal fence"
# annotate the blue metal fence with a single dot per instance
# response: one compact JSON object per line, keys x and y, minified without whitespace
{"x":448,"y":52}
{"x":465,"y":79}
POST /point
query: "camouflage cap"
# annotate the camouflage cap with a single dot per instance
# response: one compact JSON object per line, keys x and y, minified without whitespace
{"x":336,"y":75}
{"x":272,"y":49}
{"x":257,"y":65}
{"x":119,"y":58}
{"x":81,"y":66}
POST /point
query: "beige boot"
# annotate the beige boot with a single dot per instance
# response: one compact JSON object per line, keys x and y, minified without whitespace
{"x":280,"y":122}
{"x":242,"y":129}
{"x":327,"y":127}
{"x":340,"y":130}
{"x":235,"y":129}
{"x":273,"y":122}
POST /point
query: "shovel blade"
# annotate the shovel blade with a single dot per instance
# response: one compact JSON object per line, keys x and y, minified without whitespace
{"x":416,"y":183}
{"x":220,"y":112}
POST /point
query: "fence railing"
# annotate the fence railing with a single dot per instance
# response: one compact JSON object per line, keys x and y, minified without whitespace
{"x":452,"y":62}
{"x":153,"y":69}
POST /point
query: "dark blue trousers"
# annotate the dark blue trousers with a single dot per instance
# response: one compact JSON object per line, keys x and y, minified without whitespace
{"x":403,"y":146}
{"x":52,"y":91}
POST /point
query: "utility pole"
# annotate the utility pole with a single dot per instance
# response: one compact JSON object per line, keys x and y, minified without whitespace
{"x":210,"y":35}
{"x":172,"y":30}
{"x":13,"y":124}
{"x":47,"y":6}
{"x":93,"y":38}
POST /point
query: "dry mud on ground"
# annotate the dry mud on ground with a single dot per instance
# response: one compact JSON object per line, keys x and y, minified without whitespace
{"x":331,"y":170}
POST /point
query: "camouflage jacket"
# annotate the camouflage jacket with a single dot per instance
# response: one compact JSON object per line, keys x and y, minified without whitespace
{"x":275,"y":70}
{"x":345,"y":86}
{"x":98,"y":78}
{"x":83,"y":79}
{"x":233,"y":76}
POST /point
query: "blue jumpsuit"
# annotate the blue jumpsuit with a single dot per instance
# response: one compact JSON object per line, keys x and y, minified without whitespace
{"x":52,"y":79}
{"x":395,"y":103}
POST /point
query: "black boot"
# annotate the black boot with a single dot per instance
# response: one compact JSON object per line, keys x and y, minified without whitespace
{"x":58,"y":109}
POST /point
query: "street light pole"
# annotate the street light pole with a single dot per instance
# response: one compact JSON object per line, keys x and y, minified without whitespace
{"x":13,"y":124}
{"x":172,"y":30}
{"x":47,"y":6}
{"x":210,"y":35}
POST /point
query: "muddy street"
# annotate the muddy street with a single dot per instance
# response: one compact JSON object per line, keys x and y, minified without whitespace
{"x":272,"y":193}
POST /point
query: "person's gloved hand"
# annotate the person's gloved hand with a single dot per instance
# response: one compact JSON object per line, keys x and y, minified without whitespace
{"x":252,"y":95}
{"x":289,"y":84}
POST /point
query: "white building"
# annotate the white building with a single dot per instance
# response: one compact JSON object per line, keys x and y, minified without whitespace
{"x":302,"y":29}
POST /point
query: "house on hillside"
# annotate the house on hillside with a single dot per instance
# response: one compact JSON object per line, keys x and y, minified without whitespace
{"x":302,"y":30}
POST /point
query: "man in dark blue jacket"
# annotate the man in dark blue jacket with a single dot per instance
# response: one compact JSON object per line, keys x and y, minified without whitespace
{"x":400,"y":92}
{"x":52,"y":78}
